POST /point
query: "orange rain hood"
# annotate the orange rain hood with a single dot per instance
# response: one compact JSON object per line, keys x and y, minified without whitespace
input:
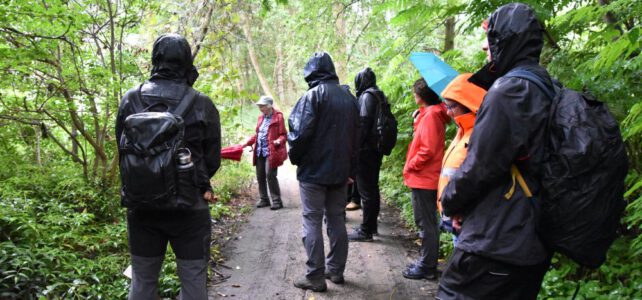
{"x":463,"y":91}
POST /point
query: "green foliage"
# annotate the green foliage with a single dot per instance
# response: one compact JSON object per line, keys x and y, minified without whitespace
{"x":228,"y":181}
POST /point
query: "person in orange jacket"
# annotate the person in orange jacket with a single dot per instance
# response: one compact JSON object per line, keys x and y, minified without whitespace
{"x":462,"y":99}
{"x":421,"y":174}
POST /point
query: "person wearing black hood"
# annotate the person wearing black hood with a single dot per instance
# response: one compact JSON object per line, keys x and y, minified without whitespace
{"x":323,"y":135}
{"x":187,"y":230}
{"x":499,"y":254}
{"x":370,"y":158}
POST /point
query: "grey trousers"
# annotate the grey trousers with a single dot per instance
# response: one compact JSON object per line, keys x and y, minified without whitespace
{"x":146,"y":270}
{"x":424,"y":206}
{"x":188,"y":232}
{"x":319,"y":201}
{"x":266,"y":177}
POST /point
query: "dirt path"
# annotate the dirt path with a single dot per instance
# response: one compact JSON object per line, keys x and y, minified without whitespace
{"x":269,"y":255}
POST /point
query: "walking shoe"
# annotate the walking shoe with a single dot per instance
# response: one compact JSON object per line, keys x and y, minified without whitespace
{"x":276,"y":205}
{"x":262,"y":203}
{"x":415,"y":271}
{"x":338,"y":279}
{"x":358,"y":235}
{"x":353,"y":206}
{"x":313,"y":284}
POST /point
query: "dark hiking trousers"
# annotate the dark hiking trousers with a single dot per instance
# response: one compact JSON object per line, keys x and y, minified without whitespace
{"x":368,"y":185}
{"x":319,"y":201}
{"x":188,"y":232}
{"x":470,"y":276}
{"x":424,"y":206}
{"x":266,"y":177}
{"x":353,"y":193}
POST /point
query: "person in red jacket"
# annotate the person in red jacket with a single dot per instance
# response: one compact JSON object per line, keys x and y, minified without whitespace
{"x":270,"y":152}
{"x":421,"y":174}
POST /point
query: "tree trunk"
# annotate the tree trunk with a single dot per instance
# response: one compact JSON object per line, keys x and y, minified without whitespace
{"x":253,"y":57}
{"x":340,"y":60}
{"x":449,"y":38}
{"x":279,"y":73}
{"x":38,"y":139}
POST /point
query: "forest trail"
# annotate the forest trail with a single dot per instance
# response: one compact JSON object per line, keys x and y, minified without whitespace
{"x":269,"y":255}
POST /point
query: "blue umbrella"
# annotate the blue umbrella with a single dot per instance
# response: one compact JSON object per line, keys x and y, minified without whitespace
{"x":436,"y":72}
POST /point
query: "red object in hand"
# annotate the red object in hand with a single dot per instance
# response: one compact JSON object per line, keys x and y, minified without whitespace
{"x":232,"y":152}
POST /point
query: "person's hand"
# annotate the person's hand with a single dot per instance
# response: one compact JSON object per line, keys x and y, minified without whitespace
{"x":350,"y":180}
{"x":457,"y":221}
{"x":277,"y":142}
{"x":209,"y":197}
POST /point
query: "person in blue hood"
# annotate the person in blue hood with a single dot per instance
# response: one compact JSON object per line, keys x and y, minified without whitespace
{"x":323,"y":137}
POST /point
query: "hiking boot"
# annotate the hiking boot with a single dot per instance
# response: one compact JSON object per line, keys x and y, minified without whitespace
{"x":353,"y":206}
{"x":358,"y":235}
{"x":314,"y":284}
{"x":263,"y":203}
{"x":337,"y":279}
{"x":276,"y":205}
{"x":415,"y":271}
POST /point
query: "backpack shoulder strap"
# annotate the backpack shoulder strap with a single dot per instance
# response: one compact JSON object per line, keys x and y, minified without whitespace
{"x":533,"y":78}
{"x":136,"y":101}
{"x":186,"y":102}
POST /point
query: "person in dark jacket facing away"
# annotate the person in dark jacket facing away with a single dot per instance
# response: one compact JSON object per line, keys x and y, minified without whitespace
{"x":499,"y":254}
{"x":323,"y":134}
{"x":370,"y":158}
{"x":187,"y":231}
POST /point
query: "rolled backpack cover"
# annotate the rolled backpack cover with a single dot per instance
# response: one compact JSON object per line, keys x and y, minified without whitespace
{"x":583,"y":175}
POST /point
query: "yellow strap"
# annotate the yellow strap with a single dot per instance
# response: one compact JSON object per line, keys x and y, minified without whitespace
{"x":516,"y":174}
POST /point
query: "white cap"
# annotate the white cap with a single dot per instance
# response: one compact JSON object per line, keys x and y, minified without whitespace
{"x":265,"y":100}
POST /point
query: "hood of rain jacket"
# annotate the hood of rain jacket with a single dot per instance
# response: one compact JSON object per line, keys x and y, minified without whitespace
{"x":172,"y":59}
{"x":319,"y":68}
{"x":364,"y":80}
{"x":515,"y":38}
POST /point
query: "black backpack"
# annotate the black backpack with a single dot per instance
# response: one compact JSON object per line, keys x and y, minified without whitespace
{"x":155,"y":169}
{"x":385,"y":125}
{"x":583,"y":175}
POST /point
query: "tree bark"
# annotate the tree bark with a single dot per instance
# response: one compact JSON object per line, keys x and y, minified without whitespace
{"x":449,"y":37}
{"x":340,"y":61}
{"x":203,"y":29}
{"x":253,"y":57}
{"x":279,"y":72}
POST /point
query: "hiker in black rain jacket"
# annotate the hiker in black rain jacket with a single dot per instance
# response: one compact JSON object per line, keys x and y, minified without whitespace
{"x":499,"y":254}
{"x":369,"y":162}
{"x":188,"y":231}
{"x":318,"y":127}
{"x":323,"y":140}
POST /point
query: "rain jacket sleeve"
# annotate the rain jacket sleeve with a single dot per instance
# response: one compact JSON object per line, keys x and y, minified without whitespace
{"x":500,"y":132}
{"x":429,"y":140}
{"x":367,"y":111}
{"x":211,"y":144}
{"x":252,"y":140}
{"x":283,"y":134}
{"x":302,"y":123}
{"x":123,"y":113}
